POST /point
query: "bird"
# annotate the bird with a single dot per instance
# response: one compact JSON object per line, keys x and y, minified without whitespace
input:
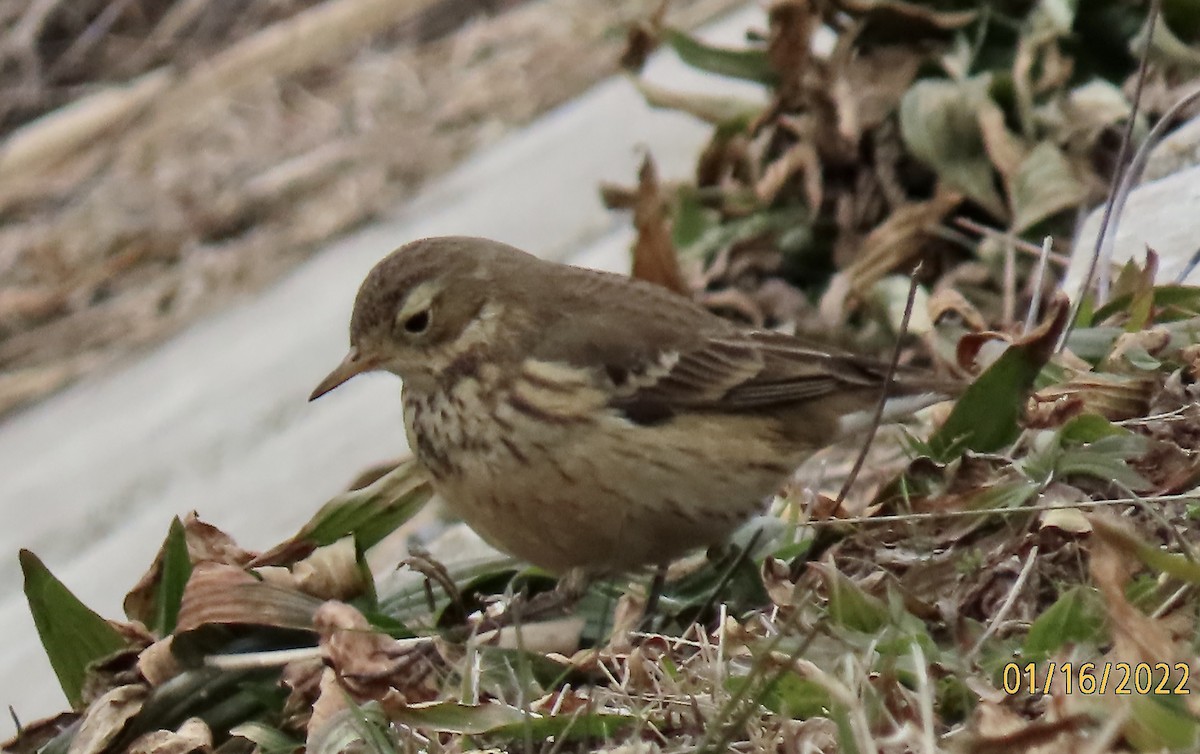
{"x":588,"y":422}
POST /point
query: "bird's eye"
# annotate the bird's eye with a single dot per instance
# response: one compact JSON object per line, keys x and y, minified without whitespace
{"x":417,"y":323}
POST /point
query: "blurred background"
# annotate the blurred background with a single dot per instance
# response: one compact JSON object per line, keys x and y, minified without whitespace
{"x":190,"y":193}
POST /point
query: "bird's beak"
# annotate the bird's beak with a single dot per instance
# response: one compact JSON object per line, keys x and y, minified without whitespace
{"x":354,"y":363}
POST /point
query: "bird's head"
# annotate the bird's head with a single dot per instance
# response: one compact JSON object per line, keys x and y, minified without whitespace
{"x":421,"y":307}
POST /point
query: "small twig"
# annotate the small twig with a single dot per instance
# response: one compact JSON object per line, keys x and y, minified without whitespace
{"x":1170,"y":602}
{"x":1008,"y":310}
{"x":1009,"y":601}
{"x":1162,"y":521}
{"x":924,"y":700}
{"x":1035,"y":294}
{"x":1110,"y":204}
{"x":84,"y":43}
{"x":1132,"y":177}
{"x":275,"y":658}
{"x":1188,"y":268}
{"x":887,"y":385}
{"x":1019,"y":244}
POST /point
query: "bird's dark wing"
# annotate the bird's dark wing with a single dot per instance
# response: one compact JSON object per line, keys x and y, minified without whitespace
{"x":656,"y":353}
{"x":742,"y":370}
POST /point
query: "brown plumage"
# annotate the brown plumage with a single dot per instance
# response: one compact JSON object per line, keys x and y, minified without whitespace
{"x":580,"y":419}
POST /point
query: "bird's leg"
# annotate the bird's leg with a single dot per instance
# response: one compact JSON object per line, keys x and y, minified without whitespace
{"x":569,"y":590}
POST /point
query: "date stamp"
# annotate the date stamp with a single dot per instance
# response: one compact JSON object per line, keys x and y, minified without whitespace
{"x":1088,"y":678}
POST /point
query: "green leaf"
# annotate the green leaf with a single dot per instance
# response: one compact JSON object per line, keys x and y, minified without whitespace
{"x":72,"y":634}
{"x":985,"y":418}
{"x":789,"y":695}
{"x":1161,"y":723}
{"x":939,"y":123}
{"x":1123,"y":538}
{"x":1106,"y":459}
{"x":751,"y":65}
{"x":1002,"y":495}
{"x":1087,"y":428}
{"x":1045,"y":185}
{"x":690,"y":219}
{"x":505,"y":721}
{"x":849,"y":605}
{"x":369,"y":514}
{"x":571,"y":727}
{"x":267,"y":739}
{"x":455,"y":717}
{"x":176,"y":570}
{"x":1184,"y":299}
{"x":1077,"y":617}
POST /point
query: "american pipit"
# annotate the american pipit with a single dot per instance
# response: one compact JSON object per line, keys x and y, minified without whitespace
{"x":584,"y":420}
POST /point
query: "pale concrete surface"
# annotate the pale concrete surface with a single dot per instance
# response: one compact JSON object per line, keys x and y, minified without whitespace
{"x":216,"y":419}
{"x":1162,"y":213}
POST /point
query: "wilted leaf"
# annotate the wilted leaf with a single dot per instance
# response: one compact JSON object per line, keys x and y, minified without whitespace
{"x":106,"y":718}
{"x":898,"y":240}
{"x":332,"y":572}
{"x":789,"y":48}
{"x":939,"y":124}
{"x":354,"y":728}
{"x":908,"y":20}
{"x":220,"y":594}
{"x":751,"y":65}
{"x":72,"y":634}
{"x":1044,"y":185}
{"x":161,"y":587}
{"x":192,"y":736}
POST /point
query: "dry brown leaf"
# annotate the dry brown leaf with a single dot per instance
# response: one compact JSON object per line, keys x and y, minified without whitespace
{"x":194,"y":735}
{"x":1113,"y":396}
{"x":654,"y":256}
{"x":106,"y":718}
{"x":223,"y":594}
{"x":157,"y":664}
{"x":205,"y":543}
{"x":1004,"y":148}
{"x":899,"y":240}
{"x":332,"y":572}
{"x":789,"y":48}
{"x":945,"y":300}
{"x":365,"y":661}
{"x":331,"y":699}
{"x":1136,"y":636}
{"x":907,"y":18}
